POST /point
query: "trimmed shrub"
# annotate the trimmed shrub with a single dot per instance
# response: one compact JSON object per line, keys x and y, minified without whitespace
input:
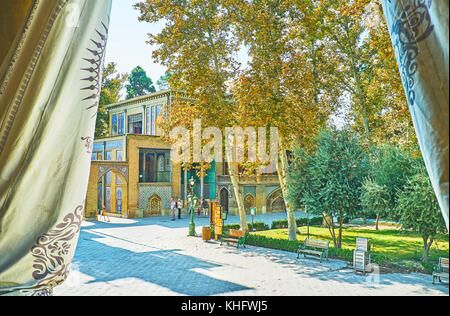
{"x":343,"y":254}
{"x":283,"y":223}
{"x":266,"y":242}
{"x":258,"y":226}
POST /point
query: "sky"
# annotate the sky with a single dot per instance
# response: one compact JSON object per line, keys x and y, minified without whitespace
{"x":126,"y":41}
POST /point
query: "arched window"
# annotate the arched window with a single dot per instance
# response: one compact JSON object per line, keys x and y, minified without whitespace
{"x":249,"y":202}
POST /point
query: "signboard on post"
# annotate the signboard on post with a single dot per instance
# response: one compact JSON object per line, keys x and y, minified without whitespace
{"x":217,"y":219}
{"x":253,"y":212}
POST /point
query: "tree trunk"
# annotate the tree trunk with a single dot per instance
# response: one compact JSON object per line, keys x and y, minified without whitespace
{"x":330,"y":224}
{"x":233,"y":171}
{"x":201,"y":188}
{"x":377,"y":221}
{"x":339,"y":240}
{"x":426,"y":248}
{"x":282,"y":175}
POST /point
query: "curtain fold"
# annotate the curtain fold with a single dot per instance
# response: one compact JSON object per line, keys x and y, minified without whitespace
{"x":49,"y":92}
{"x":419,"y":34}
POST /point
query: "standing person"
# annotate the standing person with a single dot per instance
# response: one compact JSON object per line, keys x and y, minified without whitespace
{"x":105,"y":215}
{"x":205,"y":207}
{"x":179,"y":205}
{"x":172,"y":208}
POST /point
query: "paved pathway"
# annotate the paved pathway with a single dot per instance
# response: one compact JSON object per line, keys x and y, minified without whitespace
{"x":154,"y":256}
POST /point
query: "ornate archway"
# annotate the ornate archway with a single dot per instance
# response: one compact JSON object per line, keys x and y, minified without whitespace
{"x":275,"y":202}
{"x":224,"y":198}
{"x":154,"y":205}
{"x":249,"y":202}
{"x":112,"y":191}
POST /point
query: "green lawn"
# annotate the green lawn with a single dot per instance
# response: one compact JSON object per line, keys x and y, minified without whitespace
{"x":388,"y":245}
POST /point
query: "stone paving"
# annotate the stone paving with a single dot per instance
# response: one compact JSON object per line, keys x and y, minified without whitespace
{"x":155,"y":257}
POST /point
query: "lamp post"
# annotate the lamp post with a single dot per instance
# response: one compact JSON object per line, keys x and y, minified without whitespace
{"x":192,"y":199}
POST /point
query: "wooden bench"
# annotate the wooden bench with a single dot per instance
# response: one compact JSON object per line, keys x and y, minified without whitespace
{"x":441,"y":270}
{"x":361,"y":255}
{"x":235,"y":236}
{"x":314,"y":248}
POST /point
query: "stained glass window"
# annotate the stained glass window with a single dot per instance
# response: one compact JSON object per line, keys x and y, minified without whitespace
{"x":135,"y":124}
{"x":153,"y":120}
{"x":121,"y":124}
{"x":108,"y":178}
{"x":114,"y":125}
{"x":148,"y":120}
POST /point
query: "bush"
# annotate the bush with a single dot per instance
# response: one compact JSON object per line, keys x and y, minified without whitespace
{"x":266,"y":242}
{"x":343,"y":254}
{"x":231,"y":226}
{"x":283,"y":223}
{"x":258,"y":226}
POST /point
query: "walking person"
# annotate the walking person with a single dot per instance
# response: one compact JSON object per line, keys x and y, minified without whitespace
{"x":179,"y":205}
{"x":205,"y":207}
{"x":172,"y":208}
{"x":105,"y":215}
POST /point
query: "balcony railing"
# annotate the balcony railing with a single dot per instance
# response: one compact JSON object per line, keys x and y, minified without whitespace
{"x":158,"y":177}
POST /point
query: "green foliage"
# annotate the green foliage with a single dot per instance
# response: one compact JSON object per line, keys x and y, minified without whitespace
{"x":428,"y":267}
{"x":390,"y":247}
{"x":335,"y":172}
{"x":339,"y":253}
{"x":139,"y":84}
{"x":227,"y":227}
{"x":391,"y":168}
{"x":374,"y":199}
{"x":283,"y":223}
{"x":112,"y":84}
{"x":267,"y":242}
{"x":328,"y":179}
{"x":163,"y":82}
{"x":257,"y":226}
{"x":420,"y":210}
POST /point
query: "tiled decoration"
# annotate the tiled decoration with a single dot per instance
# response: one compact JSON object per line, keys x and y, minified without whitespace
{"x":146,"y":191}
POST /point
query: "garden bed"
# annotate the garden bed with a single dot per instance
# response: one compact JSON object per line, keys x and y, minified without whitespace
{"x":392,"y":249}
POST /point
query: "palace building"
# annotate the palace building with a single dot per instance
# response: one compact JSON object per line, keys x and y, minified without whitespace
{"x":132,"y":173}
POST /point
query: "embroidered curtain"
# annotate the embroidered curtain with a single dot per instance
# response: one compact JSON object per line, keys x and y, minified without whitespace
{"x":50,"y":71}
{"x":419,"y":34}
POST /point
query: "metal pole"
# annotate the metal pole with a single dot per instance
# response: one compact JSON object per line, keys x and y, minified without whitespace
{"x":308,"y":221}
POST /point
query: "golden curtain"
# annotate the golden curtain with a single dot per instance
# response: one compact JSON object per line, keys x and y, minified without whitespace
{"x":419,"y":34}
{"x":50,"y":72}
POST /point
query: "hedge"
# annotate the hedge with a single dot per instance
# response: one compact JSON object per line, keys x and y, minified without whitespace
{"x":283,"y":223}
{"x":267,"y":242}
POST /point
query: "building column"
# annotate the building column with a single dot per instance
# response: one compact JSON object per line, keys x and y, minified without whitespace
{"x":260,"y":199}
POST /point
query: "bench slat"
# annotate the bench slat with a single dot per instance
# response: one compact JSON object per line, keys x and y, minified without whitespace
{"x":441,"y":275}
{"x":311,"y":251}
{"x":231,"y":239}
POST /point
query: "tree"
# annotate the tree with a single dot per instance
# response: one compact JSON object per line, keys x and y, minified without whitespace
{"x":367,"y":71}
{"x":284,"y":85}
{"x":112,"y":85}
{"x":391,"y":168}
{"x":420,"y":210}
{"x":333,"y":174}
{"x":163,"y":82}
{"x":375,"y":199}
{"x":196,"y":47}
{"x":139,"y":84}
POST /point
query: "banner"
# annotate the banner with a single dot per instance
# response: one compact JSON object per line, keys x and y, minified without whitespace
{"x":49,"y":91}
{"x":419,"y":34}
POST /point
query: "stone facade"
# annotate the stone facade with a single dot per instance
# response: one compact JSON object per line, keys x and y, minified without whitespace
{"x":132,"y":174}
